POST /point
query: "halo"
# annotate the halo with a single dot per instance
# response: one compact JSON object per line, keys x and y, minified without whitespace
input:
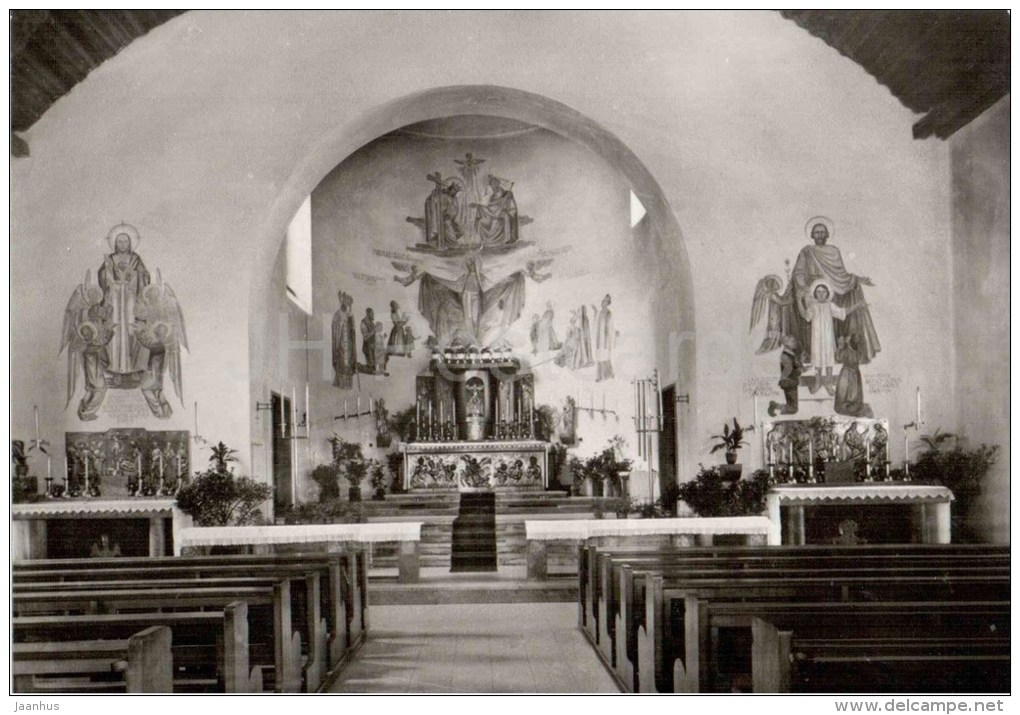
{"x":815,"y":220}
{"x":126,"y":228}
{"x":821,"y":282}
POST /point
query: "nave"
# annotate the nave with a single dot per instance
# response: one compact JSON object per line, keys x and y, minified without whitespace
{"x":475,"y":648}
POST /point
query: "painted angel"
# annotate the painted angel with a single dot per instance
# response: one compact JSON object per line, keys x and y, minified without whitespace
{"x":159,"y":328}
{"x":86,"y":334}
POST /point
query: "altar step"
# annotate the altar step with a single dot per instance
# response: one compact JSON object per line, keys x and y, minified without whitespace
{"x":473,"y":547}
{"x":507,"y":586}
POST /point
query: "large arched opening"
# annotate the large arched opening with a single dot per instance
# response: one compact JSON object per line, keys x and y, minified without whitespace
{"x":656,"y":326}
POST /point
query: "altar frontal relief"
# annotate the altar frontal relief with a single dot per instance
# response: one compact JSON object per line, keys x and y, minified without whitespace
{"x":123,"y":331}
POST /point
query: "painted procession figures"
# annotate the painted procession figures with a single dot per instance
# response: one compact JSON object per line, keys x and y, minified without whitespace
{"x":123,"y":332}
{"x":345,"y":357}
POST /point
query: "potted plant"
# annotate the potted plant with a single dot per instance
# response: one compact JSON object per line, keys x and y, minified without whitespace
{"x":710,"y":494}
{"x":395,"y":465}
{"x":947,"y":461}
{"x":350,"y":464}
{"x":605,"y":467}
{"x":378,"y":476}
{"x":730,"y":440}
{"x":327,"y":477}
{"x":216,"y":497}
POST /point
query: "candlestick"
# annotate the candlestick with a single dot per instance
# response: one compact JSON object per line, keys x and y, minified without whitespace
{"x":161,"y":466}
{"x":811,"y":459}
{"x":283,"y":423}
{"x":441,"y":420}
{"x":49,"y":466}
{"x":888,"y":462}
{"x":867,"y":460}
{"x":138,"y":466}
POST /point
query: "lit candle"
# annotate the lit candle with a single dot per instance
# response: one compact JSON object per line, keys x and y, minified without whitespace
{"x":283,"y":423}
{"x":906,"y":456}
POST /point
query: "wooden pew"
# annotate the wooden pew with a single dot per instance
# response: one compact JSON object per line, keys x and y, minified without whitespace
{"x":738,"y":558}
{"x":343,"y":582}
{"x":273,"y":600}
{"x":622,"y":653}
{"x":918,"y":654}
{"x":747,"y":557}
{"x":210,"y":648}
{"x":139,"y":664}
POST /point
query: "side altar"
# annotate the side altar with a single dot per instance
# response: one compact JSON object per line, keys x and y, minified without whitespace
{"x":475,"y":426}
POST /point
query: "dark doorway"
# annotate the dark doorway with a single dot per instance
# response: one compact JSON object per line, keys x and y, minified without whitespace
{"x":282,"y":447}
{"x":667,"y":441}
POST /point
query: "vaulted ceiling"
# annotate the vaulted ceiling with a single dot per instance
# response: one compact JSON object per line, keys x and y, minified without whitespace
{"x":948,"y":65}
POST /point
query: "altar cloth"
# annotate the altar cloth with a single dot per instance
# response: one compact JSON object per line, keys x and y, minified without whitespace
{"x":297,"y":534}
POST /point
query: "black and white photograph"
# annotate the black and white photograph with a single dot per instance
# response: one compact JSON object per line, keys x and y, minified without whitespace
{"x":511,"y":352}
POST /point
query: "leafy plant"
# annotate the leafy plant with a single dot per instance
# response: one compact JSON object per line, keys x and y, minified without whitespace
{"x":945,"y":461}
{"x":669,"y":498}
{"x":709,"y":495}
{"x":378,"y":481}
{"x":731,"y":439}
{"x":327,"y":477}
{"x":621,"y":506}
{"x":221,"y":455}
{"x":602,"y":467}
{"x":218,"y":498}
{"x":403,"y":423}
{"x":546,"y":419}
{"x":395,"y":464}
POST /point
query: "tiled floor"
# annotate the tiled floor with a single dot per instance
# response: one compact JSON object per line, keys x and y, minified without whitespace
{"x":475,"y":648}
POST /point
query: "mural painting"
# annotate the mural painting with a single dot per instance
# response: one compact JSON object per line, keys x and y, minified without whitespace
{"x":821,"y":320}
{"x":126,"y":462}
{"x":345,"y":357}
{"x":124,"y":331}
{"x":469,"y":289}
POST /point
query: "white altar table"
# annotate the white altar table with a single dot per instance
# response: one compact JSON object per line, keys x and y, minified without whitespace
{"x":28,"y":534}
{"x":930,"y":502}
{"x":617,"y":532}
{"x":407,"y":534}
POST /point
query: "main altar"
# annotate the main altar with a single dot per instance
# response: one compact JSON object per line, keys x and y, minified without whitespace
{"x":475,"y":426}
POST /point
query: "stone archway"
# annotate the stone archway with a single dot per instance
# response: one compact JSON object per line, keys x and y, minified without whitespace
{"x":675,"y":347}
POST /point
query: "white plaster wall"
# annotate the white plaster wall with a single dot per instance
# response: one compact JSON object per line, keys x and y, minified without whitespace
{"x":207,"y":134}
{"x":981,"y":213}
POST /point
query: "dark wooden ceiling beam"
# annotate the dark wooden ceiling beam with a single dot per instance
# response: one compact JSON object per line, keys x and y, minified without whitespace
{"x":949,"y":65}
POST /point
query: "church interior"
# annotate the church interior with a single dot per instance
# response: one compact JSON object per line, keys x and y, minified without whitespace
{"x":510,"y":352}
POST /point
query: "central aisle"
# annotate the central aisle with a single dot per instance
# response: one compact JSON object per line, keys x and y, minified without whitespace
{"x":475,"y":648}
